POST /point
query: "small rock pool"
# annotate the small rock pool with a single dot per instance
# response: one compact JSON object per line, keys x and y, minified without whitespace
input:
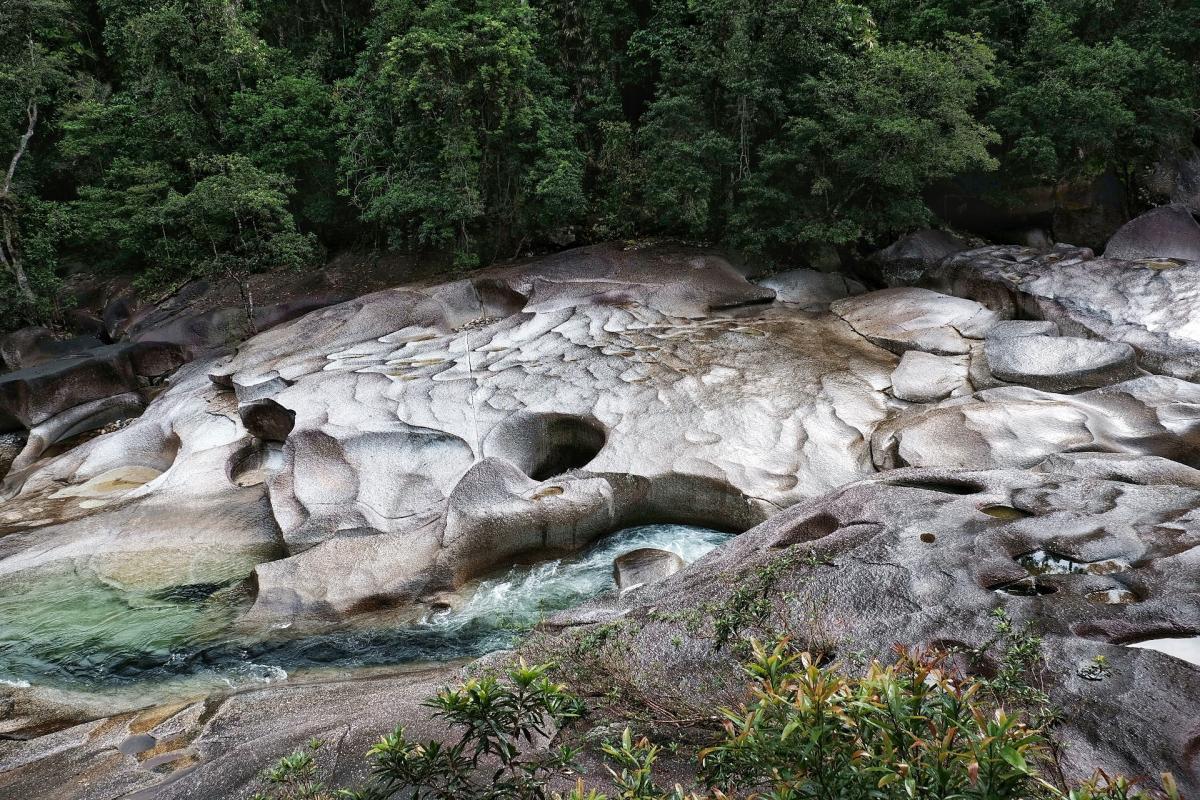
{"x":76,"y":632}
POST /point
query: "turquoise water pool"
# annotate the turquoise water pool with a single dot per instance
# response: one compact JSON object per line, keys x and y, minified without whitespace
{"x":76,"y":631}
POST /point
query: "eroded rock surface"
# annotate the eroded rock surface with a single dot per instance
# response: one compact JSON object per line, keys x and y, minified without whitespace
{"x":1019,"y":427}
{"x":396,"y":445}
{"x":1059,"y":363}
{"x":217,"y":748}
{"x":927,"y":557}
{"x":909,"y":318}
{"x":1151,"y":304}
{"x":926,"y":378}
{"x":384,"y":450}
{"x":440,"y":431}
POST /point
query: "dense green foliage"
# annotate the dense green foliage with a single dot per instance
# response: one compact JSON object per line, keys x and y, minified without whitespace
{"x":169,"y":138}
{"x":809,"y":732}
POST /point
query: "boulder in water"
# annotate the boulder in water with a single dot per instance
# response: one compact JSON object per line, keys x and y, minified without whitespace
{"x":645,"y":565}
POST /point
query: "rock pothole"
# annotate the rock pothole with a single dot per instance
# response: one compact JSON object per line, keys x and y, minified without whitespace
{"x":254,"y":462}
{"x":544,"y":446}
{"x":1042,"y":563}
{"x":1045,"y":562}
{"x":567,"y":443}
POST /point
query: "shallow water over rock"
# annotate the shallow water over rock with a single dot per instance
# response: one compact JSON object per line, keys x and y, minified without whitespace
{"x":76,"y":631}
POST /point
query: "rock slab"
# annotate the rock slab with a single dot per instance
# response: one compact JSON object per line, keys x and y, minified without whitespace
{"x":1059,"y":363}
{"x":926,"y":378}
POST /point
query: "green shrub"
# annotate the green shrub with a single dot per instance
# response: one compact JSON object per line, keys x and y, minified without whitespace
{"x":486,"y":762}
{"x":907,"y":730}
{"x":912,"y":729}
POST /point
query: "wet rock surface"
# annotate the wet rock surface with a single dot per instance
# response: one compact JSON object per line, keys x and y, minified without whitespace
{"x":381,"y":452}
{"x":646,"y":565}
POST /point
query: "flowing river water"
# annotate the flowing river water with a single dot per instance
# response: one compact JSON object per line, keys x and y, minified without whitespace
{"x":75,"y":632}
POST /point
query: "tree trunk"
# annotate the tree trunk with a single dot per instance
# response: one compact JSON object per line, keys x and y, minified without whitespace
{"x":11,"y":260}
{"x":9,"y":257}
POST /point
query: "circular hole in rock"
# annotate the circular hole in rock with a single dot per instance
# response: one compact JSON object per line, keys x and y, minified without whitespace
{"x":254,"y":462}
{"x":1113,"y":597}
{"x":565,"y":443}
{"x":497,"y":298}
{"x":928,"y":538}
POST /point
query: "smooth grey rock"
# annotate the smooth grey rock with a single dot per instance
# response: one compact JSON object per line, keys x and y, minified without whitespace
{"x":809,"y":288}
{"x":926,"y":378}
{"x":250,"y":388}
{"x":903,"y":262}
{"x":1023,"y":327}
{"x":1176,"y":179}
{"x":922,"y":558}
{"x":1150,"y":305}
{"x":645,"y":565}
{"x":89,"y":416}
{"x":1124,"y":467}
{"x":267,"y":419}
{"x":30,"y":396}
{"x":916,"y":319}
{"x":11,"y":445}
{"x":1036,"y":238}
{"x":1020,"y":427}
{"x":1059,"y":363}
{"x":152,"y":359}
{"x":29,"y":347}
{"x":1165,"y":232}
{"x":441,"y":430}
{"x":175,"y":322}
{"x":977,"y":370}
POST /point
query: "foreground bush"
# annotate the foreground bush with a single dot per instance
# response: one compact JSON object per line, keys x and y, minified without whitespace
{"x":913,"y":729}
